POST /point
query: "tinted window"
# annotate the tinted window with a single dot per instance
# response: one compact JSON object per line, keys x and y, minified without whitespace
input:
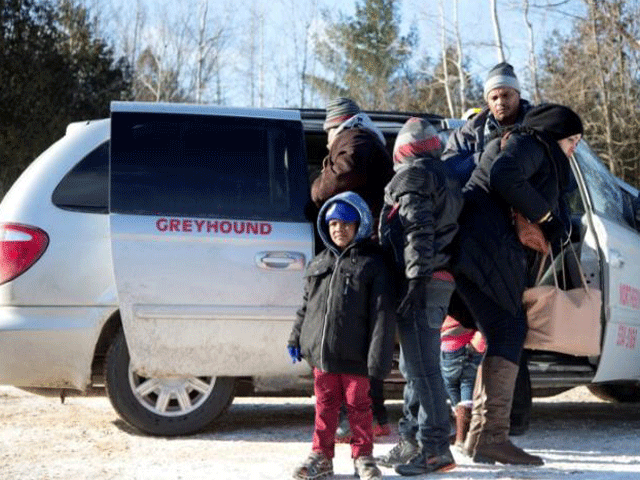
{"x":604,"y":192}
{"x":193,"y":165}
{"x":86,"y":187}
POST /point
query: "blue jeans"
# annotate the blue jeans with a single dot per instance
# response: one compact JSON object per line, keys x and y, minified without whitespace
{"x":459,"y":370}
{"x":408,"y":423}
{"x":420,"y":344}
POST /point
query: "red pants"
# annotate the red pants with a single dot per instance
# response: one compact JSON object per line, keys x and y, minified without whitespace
{"x":331,"y":390}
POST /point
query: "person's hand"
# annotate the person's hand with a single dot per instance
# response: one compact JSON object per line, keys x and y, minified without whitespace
{"x":553,"y":229}
{"x":294,"y":353}
{"x":416,"y":297}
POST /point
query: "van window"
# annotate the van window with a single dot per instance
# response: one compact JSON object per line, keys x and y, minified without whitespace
{"x":85,"y":188}
{"x":604,"y":191}
{"x":207,"y":166}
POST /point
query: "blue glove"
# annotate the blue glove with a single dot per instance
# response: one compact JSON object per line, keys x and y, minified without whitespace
{"x":294,"y":353}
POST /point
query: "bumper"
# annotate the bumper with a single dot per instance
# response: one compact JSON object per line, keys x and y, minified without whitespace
{"x":49,"y":347}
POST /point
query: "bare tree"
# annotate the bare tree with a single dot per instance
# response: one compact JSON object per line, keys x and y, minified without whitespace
{"x":496,"y":30}
{"x":445,"y":62}
{"x":533,"y":59}
{"x":209,"y":38}
{"x":461,"y":73}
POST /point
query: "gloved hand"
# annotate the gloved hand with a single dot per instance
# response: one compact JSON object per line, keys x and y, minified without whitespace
{"x":553,"y":229}
{"x":416,"y":297}
{"x":294,"y":353}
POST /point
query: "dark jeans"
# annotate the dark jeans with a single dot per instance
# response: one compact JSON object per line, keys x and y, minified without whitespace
{"x":420,"y":344}
{"x":459,"y":370}
{"x":408,"y":423}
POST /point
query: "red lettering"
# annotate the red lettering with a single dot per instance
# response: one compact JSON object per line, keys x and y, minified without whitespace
{"x":225,"y":227}
{"x":212,"y":226}
{"x":199,"y":224}
{"x":265,"y":228}
{"x":186,"y":225}
{"x":633,"y":336}
{"x":161,"y":224}
{"x":238,"y":227}
{"x":174,"y":225}
{"x":253,"y":228}
{"x":622,"y":333}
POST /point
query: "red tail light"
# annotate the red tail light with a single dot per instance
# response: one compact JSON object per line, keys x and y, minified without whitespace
{"x":20,"y":247}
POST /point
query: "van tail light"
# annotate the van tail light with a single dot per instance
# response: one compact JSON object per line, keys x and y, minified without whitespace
{"x":20,"y":247}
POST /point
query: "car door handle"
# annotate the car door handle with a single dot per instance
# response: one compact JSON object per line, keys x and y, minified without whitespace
{"x":616,"y":260}
{"x":280,"y":260}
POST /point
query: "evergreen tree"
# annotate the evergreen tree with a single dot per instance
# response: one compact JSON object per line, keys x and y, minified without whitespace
{"x":365,"y":54}
{"x":54,"y":71}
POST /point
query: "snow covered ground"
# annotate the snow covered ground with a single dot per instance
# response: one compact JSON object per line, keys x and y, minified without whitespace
{"x":578,"y":436}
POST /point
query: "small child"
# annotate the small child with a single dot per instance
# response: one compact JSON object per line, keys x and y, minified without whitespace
{"x":461,"y":351}
{"x":345,"y":330}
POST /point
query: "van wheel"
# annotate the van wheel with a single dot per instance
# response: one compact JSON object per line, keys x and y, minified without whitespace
{"x":616,"y":392}
{"x":163,"y":406}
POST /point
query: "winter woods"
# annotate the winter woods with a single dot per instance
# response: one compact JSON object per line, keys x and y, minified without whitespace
{"x":65,"y":60}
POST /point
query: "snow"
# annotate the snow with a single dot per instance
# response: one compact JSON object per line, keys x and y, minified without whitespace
{"x":265,"y":438}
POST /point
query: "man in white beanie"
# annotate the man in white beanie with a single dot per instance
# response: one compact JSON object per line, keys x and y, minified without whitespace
{"x":504,"y":109}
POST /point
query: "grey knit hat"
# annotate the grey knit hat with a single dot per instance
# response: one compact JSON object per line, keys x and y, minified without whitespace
{"x":502,"y":75}
{"x":340,"y":110}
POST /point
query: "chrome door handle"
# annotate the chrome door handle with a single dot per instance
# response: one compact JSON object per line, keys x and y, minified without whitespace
{"x":280,"y":260}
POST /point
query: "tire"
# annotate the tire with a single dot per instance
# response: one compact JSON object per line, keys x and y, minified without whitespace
{"x":616,"y":392}
{"x":163,"y":406}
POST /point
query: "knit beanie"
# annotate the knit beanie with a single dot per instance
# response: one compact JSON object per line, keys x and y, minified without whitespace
{"x":502,"y":75}
{"x":342,"y":211}
{"x":417,"y":138}
{"x":338,"y":111}
{"x":557,"y":121}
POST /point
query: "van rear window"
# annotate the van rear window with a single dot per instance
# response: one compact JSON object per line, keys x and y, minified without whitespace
{"x":190,"y":165}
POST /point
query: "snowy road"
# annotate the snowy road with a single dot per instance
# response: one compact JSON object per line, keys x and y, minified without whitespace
{"x":578,"y":436}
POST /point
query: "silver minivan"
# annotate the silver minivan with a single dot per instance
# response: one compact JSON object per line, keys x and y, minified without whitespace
{"x":160,"y":253}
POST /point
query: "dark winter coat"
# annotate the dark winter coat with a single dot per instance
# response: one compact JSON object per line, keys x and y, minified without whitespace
{"x":466,"y":144}
{"x":347,"y":320}
{"x":419,"y":218}
{"x":527,"y":175}
{"x":357,"y":162}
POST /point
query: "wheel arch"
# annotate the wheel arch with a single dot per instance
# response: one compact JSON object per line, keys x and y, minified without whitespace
{"x":106,"y":337}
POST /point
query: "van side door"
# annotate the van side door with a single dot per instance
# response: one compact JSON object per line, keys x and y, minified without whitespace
{"x":611,"y":231}
{"x":208,"y":235}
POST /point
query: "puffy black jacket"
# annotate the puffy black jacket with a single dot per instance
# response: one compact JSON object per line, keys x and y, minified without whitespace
{"x":419,"y":219}
{"x":347,"y":320}
{"x":527,"y":175}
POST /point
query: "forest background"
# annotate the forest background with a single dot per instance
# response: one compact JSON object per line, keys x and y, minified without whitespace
{"x":65,"y":60}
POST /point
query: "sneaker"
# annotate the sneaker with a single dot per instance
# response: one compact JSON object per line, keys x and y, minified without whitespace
{"x":381,"y":430}
{"x":343,"y":432}
{"x":366,"y":468}
{"x":421,"y":464}
{"x":316,"y":466}
{"x":404,"y":451}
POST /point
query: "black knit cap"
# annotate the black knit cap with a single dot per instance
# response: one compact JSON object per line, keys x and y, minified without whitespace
{"x":555,"y":120}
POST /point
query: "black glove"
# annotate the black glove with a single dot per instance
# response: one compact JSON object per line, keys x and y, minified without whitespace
{"x":416,"y":297}
{"x":553,"y":229}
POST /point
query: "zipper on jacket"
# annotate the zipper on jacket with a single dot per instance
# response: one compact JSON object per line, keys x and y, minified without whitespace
{"x":327,"y":309}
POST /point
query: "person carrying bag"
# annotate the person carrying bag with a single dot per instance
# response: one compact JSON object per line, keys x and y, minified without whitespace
{"x":565,"y":321}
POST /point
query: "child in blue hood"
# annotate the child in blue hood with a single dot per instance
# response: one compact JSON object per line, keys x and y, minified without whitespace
{"x":345,"y":330}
